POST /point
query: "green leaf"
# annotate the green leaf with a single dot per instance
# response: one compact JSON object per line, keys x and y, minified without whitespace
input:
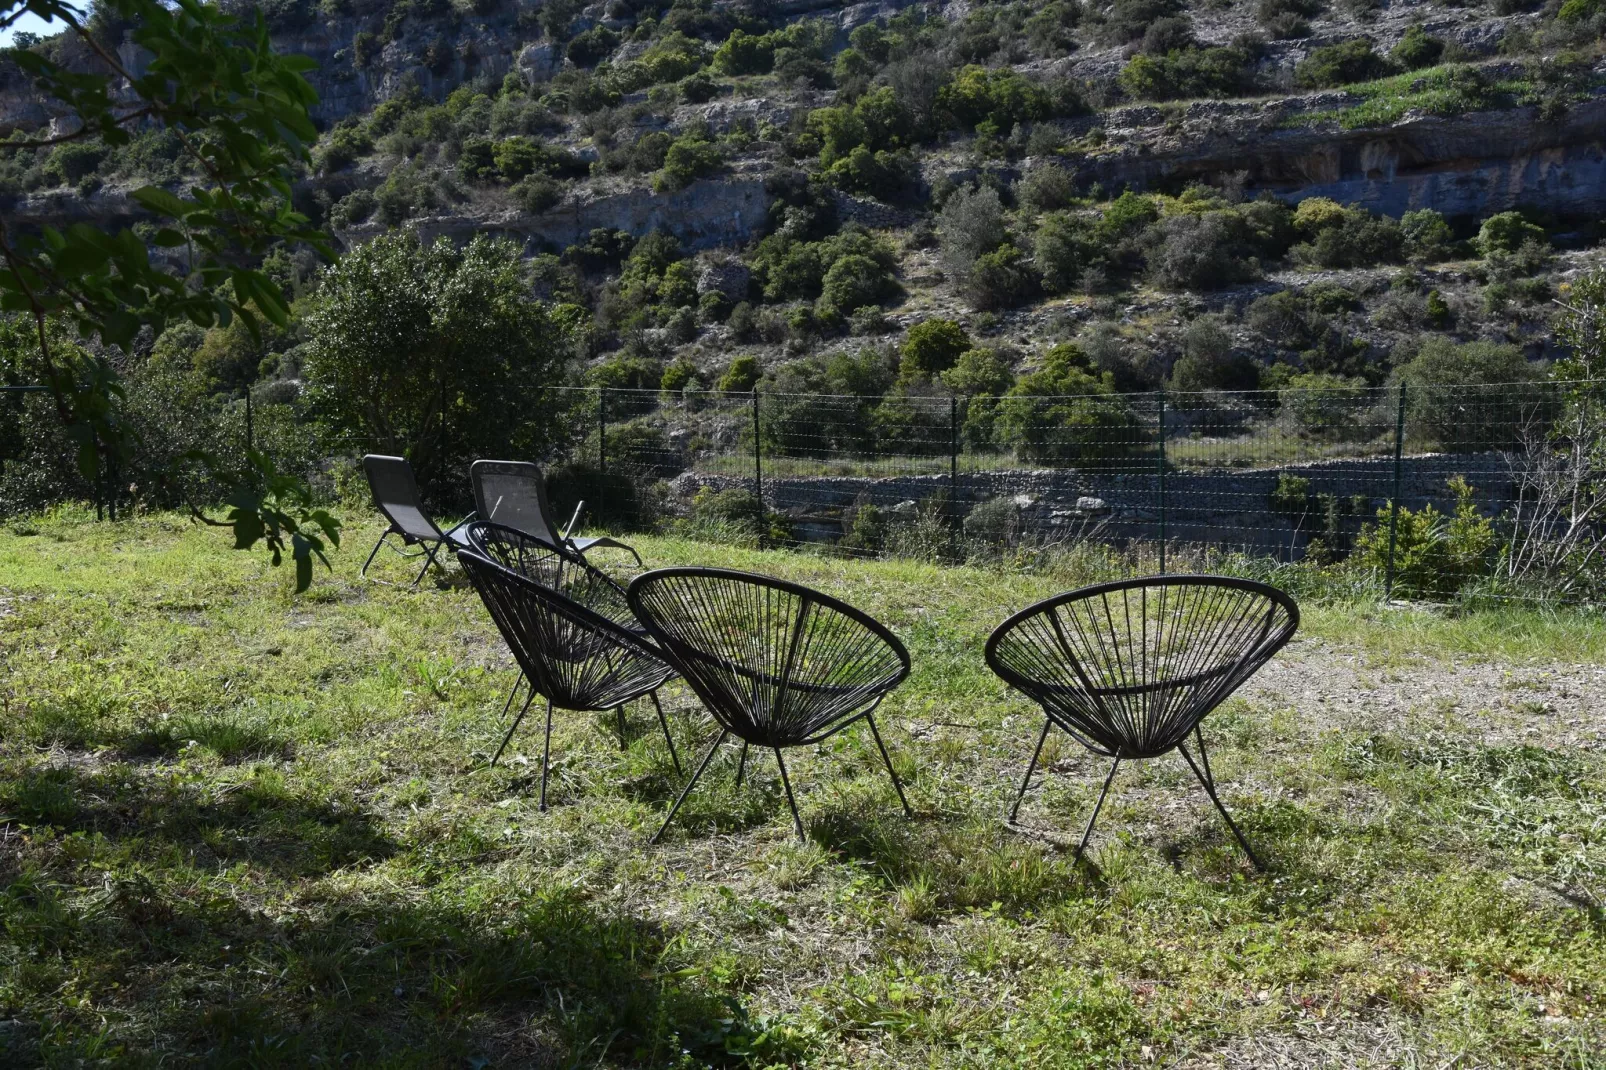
{"x":160,"y":200}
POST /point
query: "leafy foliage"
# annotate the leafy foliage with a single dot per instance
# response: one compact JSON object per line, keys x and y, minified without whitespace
{"x":433,"y":353}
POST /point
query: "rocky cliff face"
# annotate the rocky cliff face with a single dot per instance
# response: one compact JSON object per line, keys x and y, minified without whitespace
{"x":1462,"y":165}
{"x":707,"y":213}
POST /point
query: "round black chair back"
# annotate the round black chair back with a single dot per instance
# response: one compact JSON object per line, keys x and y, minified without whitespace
{"x":576,"y":653}
{"x":776,"y":663}
{"x":1130,"y":668}
{"x":552,"y":565}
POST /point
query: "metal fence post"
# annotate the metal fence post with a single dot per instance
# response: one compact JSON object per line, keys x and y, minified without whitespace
{"x":602,"y":429}
{"x":1394,"y":499}
{"x":758,"y":457}
{"x":953,"y":476}
{"x":1162,"y":480}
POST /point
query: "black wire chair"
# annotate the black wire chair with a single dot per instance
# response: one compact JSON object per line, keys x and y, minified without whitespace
{"x":777,"y":664}
{"x":569,"y":627}
{"x":513,"y":493}
{"x":396,"y":495}
{"x":1129,"y":669}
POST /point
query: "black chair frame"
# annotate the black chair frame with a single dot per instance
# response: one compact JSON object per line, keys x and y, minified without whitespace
{"x":396,"y":496}
{"x":1088,"y":710}
{"x":548,"y":632}
{"x":844,"y":705}
{"x":495,"y":482}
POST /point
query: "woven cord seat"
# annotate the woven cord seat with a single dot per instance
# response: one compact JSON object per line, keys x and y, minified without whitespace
{"x":568,"y":626}
{"x":1129,"y":669}
{"x":777,"y":664}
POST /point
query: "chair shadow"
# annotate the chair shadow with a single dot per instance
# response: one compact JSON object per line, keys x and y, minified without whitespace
{"x":544,"y":978}
{"x":261,"y":822}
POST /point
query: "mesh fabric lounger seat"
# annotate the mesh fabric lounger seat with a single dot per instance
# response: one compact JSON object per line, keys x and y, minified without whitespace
{"x":513,"y":493}
{"x":569,"y":627}
{"x":1129,"y":669}
{"x":777,"y":664}
{"x":396,"y":496}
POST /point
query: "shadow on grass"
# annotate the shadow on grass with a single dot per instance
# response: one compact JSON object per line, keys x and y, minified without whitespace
{"x":544,"y":980}
{"x":261,"y":821}
{"x":980,"y":864}
{"x":178,"y":955}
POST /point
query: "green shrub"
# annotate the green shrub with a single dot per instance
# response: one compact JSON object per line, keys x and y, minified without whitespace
{"x":1127,"y":20}
{"x":1001,"y":279}
{"x":1426,"y":237}
{"x":1434,"y":555}
{"x":536,"y":194}
{"x":1063,"y":413}
{"x":1208,"y":361}
{"x":698,"y":88}
{"x":883,"y":174}
{"x":341,"y":147}
{"x":932,"y":347}
{"x":1507,"y":232}
{"x":742,"y":375}
{"x":1189,"y":72}
{"x":1350,"y":238}
{"x":1065,"y":246}
{"x":854,"y":281}
{"x":690,"y":157}
{"x":998,"y":97}
{"x":588,"y":48}
{"x":1341,"y":64}
{"x":1202,"y":252}
{"x":1322,"y":404}
{"x":72,"y":162}
{"x":1417,"y":49}
{"x":971,"y":224}
{"x":1047,"y":188}
{"x":1461,"y":395}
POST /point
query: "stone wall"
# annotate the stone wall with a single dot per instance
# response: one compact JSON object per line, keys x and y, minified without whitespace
{"x":1230,"y":507}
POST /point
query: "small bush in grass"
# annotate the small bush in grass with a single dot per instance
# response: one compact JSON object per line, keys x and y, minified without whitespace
{"x":1434,"y":555}
{"x":1417,"y":49}
{"x":1342,"y":64}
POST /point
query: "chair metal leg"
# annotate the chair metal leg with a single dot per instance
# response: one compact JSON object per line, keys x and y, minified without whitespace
{"x":546,"y":754}
{"x":669,"y":739}
{"x":619,"y":711}
{"x":692,"y":783}
{"x":890,"y":771}
{"x":1208,"y":783}
{"x":373,"y":555}
{"x":1204,"y":755}
{"x":797,"y":822}
{"x":429,"y":559}
{"x":514,"y":727}
{"x":1087,"y":833}
{"x":741,"y":766}
{"x":518,"y":682}
{"x":1031,"y":766}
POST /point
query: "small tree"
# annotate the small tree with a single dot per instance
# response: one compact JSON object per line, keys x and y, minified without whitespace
{"x":240,"y":112}
{"x":1064,"y":413}
{"x":435,"y":353}
{"x":971,"y":224}
{"x":932,"y":347}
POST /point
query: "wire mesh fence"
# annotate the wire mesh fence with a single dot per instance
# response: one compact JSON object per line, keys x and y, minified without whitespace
{"x":1428,"y":484}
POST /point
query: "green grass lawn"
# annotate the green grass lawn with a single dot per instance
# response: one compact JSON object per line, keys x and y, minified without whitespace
{"x":242,"y":828}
